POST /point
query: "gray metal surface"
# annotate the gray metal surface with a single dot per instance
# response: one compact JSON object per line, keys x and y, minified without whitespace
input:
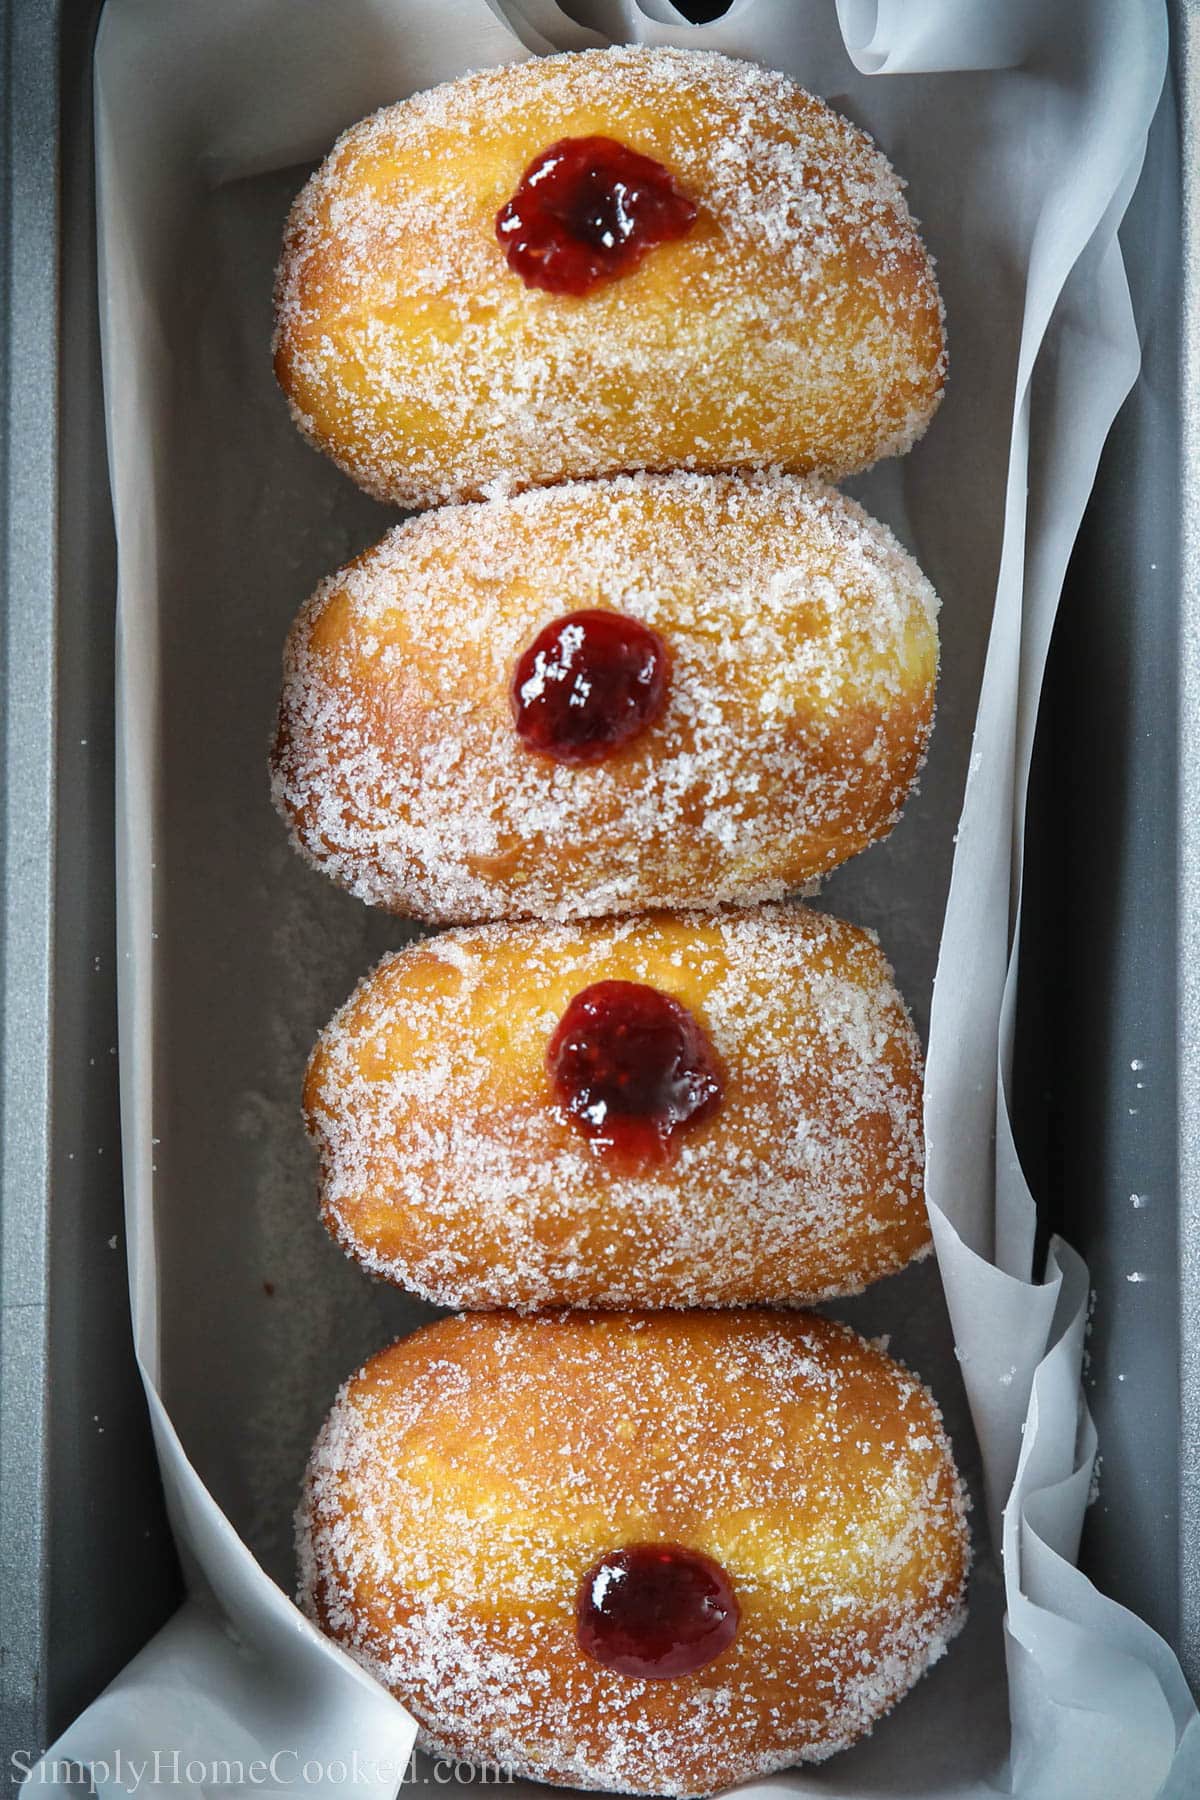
{"x":86,"y":1572}
{"x":1188,"y":744}
{"x":27,"y":545}
{"x":1109,"y":1033}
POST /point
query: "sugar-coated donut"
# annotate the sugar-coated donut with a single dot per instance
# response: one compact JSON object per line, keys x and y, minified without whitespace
{"x":762,"y":1143}
{"x":794,"y":322}
{"x":653,"y":1553}
{"x":798,"y":663}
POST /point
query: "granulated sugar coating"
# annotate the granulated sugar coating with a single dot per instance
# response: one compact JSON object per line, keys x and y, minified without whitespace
{"x":448,"y":1165}
{"x":796,"y":323}
{"x":803,"y":648}
{"x":469,"y":1476}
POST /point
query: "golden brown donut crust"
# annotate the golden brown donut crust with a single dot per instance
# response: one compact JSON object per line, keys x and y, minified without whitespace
{"x":797,"y":324}
{"x":803,"y":643}
{"x":447,"y":1165}
{"x":468,"y":1476}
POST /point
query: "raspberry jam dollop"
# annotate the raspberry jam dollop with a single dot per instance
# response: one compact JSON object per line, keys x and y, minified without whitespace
{"x":586,"y":211}
{"x":633,"y":1068}
{"x":655,"y":1611}
{"x":588,"y":684}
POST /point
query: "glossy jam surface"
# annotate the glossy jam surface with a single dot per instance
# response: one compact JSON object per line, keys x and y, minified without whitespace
{"x":586,"y":211}
{"x":633,"y":1068}
{"x":588,"y":684}
{"x":655,"y":1611}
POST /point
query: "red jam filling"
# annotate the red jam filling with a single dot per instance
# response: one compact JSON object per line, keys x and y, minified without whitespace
{"x":633,"y":1069}
{"x":586,"y":211}
{"x":655,"y":1611}
{"x":588,"y":684}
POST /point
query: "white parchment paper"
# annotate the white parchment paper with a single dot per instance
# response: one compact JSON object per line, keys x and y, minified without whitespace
{"x":1020,"y":128}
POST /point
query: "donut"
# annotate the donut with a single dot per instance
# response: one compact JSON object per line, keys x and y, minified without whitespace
{"x":655,"y":690}
{"x":654,"y":1553}
{"x":619,"y":259}
{"x":678,"y":1110}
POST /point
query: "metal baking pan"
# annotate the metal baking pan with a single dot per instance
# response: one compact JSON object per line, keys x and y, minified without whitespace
{"x":1108,"y":1048}
{"x":87,"y":1571}
{"x":1111,"y":935}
